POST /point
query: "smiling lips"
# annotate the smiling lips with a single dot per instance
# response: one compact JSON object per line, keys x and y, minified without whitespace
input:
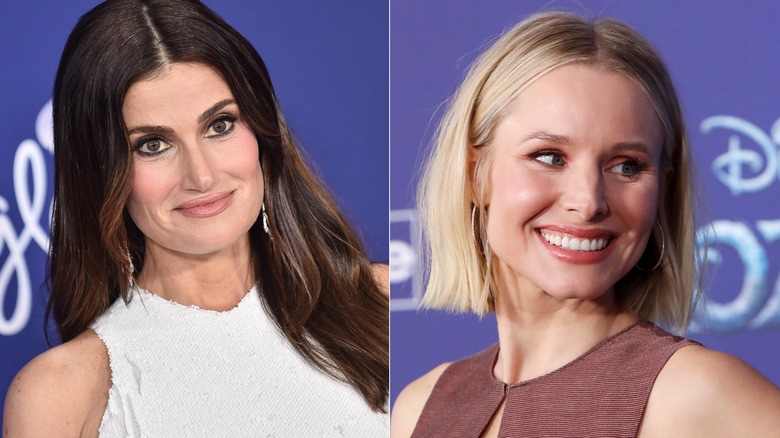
{"x":578,"y":246}
{"x":206,"y":206}
{"x":574,"y":243}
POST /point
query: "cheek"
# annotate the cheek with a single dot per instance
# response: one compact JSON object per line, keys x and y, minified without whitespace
{"x":637,"y":210}
{"x":515,"y":198}
{"x":245,"y":161}
{"x":245,"y":167}
{"x":513,"y":189}
{"x":644,"y":212}
{"x":150,"y":187}
{"x":639,"y":201}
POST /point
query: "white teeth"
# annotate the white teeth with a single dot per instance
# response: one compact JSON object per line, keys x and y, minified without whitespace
{"x":575,"y":243}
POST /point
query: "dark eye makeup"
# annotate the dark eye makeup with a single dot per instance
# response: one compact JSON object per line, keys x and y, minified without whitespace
{"x":153,"y":145}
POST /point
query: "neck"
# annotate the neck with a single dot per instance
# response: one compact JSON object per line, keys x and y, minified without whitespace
{"x":215,"y":281}
{"x":539,"y":333}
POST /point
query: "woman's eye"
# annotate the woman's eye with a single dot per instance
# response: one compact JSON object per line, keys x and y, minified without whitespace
{"x":627,"y":168}
{"x":150,"y":147}
{"x":550,"y":159}
{"x":221,"y":127}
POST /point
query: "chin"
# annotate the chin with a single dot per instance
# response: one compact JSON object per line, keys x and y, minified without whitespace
{"x":579,"y":295}
{"x":213,"y":245}
{"x":580,"y":290}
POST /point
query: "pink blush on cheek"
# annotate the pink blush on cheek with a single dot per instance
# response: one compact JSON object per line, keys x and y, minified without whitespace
{"x":246,"y":154}
{"x":151,"y":184}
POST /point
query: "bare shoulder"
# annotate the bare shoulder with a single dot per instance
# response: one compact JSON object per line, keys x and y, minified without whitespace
{"x":410,"y":402}
{"x":702,"y":392}
{"x":61,"y":392}
{"x":382,"y":276}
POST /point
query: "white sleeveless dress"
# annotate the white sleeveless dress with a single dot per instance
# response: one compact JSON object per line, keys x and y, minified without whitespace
{"x":182,"y":371}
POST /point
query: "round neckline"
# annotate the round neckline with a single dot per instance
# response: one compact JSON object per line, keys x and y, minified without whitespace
{"x":567,"y":365}
{"x":144,"y":293}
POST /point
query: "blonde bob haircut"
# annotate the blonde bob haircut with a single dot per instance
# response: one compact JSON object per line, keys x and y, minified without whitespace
{"x":456,"y":255}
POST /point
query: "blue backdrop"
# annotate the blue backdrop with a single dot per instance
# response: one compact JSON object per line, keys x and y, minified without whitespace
{"x":329,"y":65}
{"x":723,"y":56}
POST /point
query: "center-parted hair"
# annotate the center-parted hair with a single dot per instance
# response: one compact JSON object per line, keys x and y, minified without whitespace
{"x":311,"y":268}
{"x":456,"y":253}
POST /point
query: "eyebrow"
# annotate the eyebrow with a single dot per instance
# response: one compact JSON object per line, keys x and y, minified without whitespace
{"x":214,"y":109}
{"x":167,"y":130}
{"x":562,"y":140}
{"x":633,"y":146}
{"x":546,"y":136}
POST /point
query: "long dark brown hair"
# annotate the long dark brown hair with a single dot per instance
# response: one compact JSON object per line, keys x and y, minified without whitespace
{"x":311,"y":269}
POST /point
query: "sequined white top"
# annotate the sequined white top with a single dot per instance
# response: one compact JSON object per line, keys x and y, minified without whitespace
{"x":182,"y":371}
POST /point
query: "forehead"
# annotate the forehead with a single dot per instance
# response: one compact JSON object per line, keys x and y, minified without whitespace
{"x":179,"y":90}
{"x":585,"y":102}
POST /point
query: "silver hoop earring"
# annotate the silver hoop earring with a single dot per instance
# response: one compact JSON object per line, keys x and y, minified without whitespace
{"x":473,"y":235}
{"x":265,"y":218}
{"x":484,"y":248}
{"x":663,"y":250}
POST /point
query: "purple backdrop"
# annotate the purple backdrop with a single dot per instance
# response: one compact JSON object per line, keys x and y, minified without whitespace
{"x":329,"y":65}
{"x":723,"y":56}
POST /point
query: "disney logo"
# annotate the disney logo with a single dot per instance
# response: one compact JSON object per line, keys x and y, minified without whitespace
{"x":29,"y":165}
{"x":762,"y":163}
{"x":757,"y":304}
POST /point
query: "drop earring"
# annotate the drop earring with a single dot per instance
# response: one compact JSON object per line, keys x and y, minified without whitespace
{"x":265,"y":218}
{"x":131,"y":270}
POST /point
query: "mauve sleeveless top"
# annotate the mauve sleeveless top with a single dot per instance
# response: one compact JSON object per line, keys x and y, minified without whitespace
{"x":602,"y":393}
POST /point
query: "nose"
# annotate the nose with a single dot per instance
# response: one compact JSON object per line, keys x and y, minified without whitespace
{"x":198,"y":169}
{"x":584,"y":193}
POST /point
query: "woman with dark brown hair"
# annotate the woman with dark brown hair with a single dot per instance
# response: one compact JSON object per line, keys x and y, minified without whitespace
{"x":202,"y":280}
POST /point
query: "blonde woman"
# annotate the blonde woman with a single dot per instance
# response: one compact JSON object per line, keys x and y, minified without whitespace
{"x":558,"y":195}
